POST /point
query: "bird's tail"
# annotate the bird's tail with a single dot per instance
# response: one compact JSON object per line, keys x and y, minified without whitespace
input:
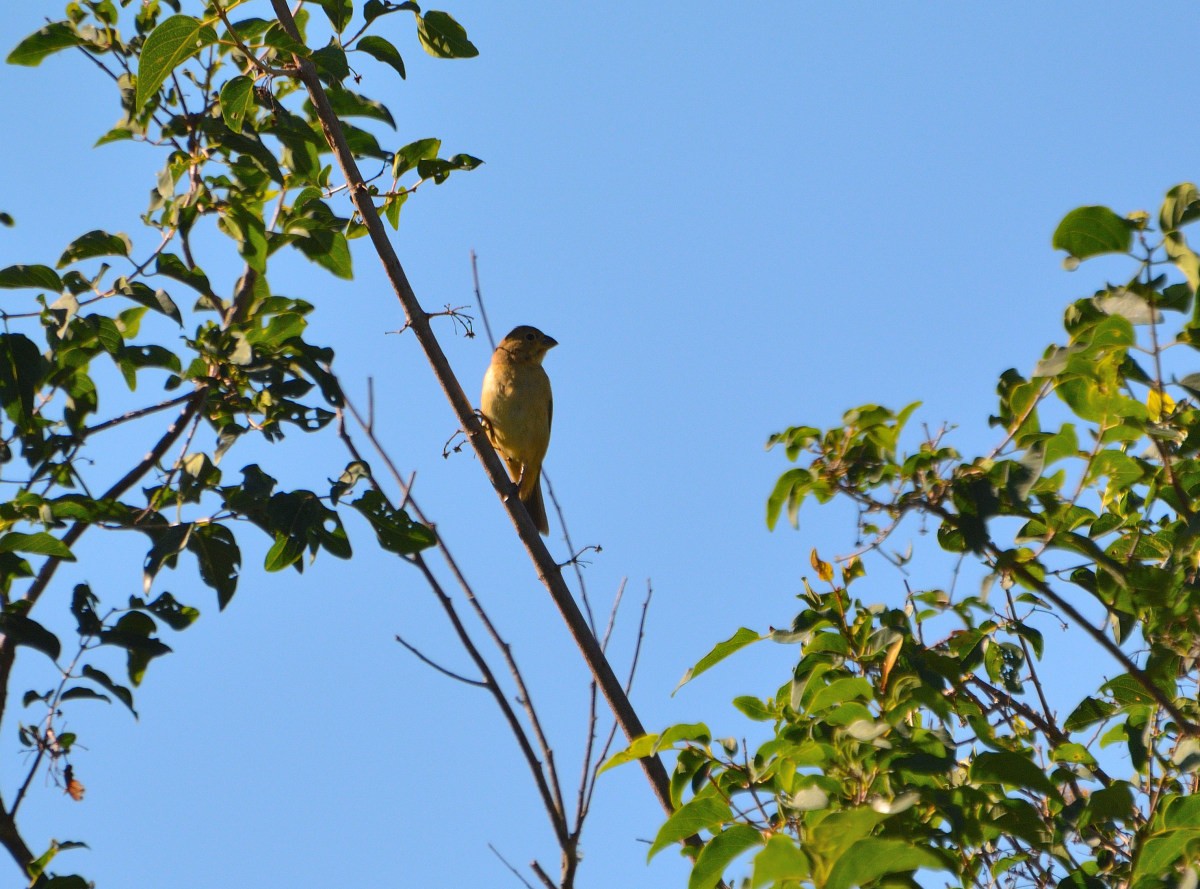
{"x":536,"y":507}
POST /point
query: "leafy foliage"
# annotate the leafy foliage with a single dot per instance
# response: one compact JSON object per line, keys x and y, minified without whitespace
{"x":207,"y":363}
{"x":921,"y":737}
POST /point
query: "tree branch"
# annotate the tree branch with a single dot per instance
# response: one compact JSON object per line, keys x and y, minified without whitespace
{"x":548,"y":572}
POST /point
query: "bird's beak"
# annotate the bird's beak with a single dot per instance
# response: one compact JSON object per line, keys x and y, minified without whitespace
{"x":548,"y":341}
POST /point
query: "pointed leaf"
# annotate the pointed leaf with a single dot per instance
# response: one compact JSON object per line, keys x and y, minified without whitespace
{"x":383,"y":51}
{"x":169,"y":45}
{"x":1091,"y":231}
{"x":95,"y":243}
{"x":25,"y":631}
{"x":41,"y":277}
{"x":124,"y":695}
{"x":237,"y":101}
{"x":40,"y":543}
{"x":719,"y":852}
{"x":339,"y":12}
{"x":43,"y":42}
{"x":874,"y":857}
{"x":443,"y":37}
{"x":722,"y":650}
{"x":705,"y":813}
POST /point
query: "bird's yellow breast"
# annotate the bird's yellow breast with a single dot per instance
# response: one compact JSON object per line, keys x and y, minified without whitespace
{"x":516,"y":402}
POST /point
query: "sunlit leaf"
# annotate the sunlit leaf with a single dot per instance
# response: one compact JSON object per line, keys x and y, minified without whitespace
{"x":172,"y":43}
{"x":1091,"y":231}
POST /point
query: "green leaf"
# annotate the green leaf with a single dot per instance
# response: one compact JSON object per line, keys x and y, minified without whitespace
{"x":639,"y":749}
{"x":1161,"y":851}
{"x":143,"y":295}
{"x":396,"y":532}
{"x":43,"y":42}
{"x":21,"y":373}
{"x":1184,"y":257}
{"x":95,"y":243}
{"x":355,"y":470}
{"x":277,"y":38}
{"x":331,"y":63}
{"x":70,"y":882}
{"x":373,"y":9}
{"x":1181,"y":206}
{"x":383,"y":51}
{"x":78,"y":692}
{"x":408,"y":157}
{"x":284,"y":552}
{"x":41,"y":277}
{"x":793,"y":486}
{"x":339,"y":12}
{"x":1011,"y":770}
{"x":169,"y":45}
{"x":1091,"y":231}
{"x":237,"y":101}
{"x":26,"y":631}
{"x":40,"y":543}
{"x":134,"y":632}
{"x":83,"y":607}
{"x":124,"y":695}
{"x":782,"y":860}
{"x":330,"y":250}
{"x":220,"y":559}
{"x":443,"y":37}
{"x":171,"y":612}
{"x":392,"y":206}
{"x":719,"y":852}
{"x":753,"y":708}
{"x":250,"y":232}
{"x":172,"y":266}
{"x":704,"y":813}
{"x":722,"y":650}
{"x":1126,"y":691}
{"x":874,"y":857}
{"x":350,"y":104}
{"x":168,"y":544}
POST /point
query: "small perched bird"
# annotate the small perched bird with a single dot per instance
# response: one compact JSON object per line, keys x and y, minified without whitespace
{"x":517,"y":408}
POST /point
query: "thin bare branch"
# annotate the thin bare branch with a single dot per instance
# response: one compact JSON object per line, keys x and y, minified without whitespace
{"x":542,"y":875}
{"x":501,"y":644}
{"x":443,"y":670}
{"x":135,"y":415}
{"x":547,"y":781}
{"x":516,"y":873}
{"x":479,"y":301}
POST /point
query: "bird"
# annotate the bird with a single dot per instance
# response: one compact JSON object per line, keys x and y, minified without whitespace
{"x":517,"y":408}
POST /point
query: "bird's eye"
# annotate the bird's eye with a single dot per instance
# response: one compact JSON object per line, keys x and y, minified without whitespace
{"x":529,"y":336}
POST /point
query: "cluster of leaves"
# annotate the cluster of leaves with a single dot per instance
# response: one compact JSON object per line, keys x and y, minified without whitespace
{"x":922,"y":737}
{"x":221,"y":100}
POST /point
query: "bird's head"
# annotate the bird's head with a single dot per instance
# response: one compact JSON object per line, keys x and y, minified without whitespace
{"x":527,"y":343}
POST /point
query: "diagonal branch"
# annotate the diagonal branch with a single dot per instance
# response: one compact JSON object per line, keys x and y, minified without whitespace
{"x":417,"y":319}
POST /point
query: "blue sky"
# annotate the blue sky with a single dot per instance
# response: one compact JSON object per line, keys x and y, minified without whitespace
{"x":734,"y":218}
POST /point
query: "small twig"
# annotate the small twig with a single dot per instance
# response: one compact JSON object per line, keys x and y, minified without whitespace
{"x":478,"y":683}
{"x":455,"y":313}
{"x":542,"y":875}
{"x":612,"y":614}
{"x":479,"y":301}
{"x":134,"y":415}
{"x":516,"y":873}
{"x":612,"y":732}
{"x":574,"y":562}
{"x":577,"y":558}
